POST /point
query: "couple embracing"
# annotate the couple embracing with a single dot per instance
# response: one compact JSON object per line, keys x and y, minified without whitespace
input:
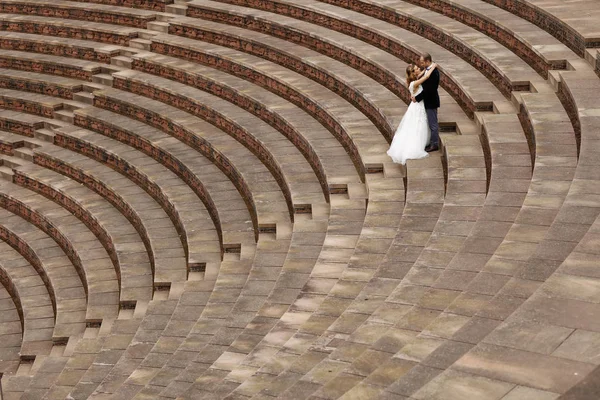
{"x":419,"y":126}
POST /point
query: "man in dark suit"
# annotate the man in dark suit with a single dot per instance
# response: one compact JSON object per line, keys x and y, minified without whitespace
{"x":432,"y":101}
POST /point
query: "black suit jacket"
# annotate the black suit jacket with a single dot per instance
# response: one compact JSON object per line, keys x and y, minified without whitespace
{"x":430,"y":91}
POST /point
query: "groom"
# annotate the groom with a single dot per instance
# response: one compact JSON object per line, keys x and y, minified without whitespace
{"x":432,"y":101}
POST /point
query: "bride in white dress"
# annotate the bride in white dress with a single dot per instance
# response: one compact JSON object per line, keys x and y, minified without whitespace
{"x":413,"y":133}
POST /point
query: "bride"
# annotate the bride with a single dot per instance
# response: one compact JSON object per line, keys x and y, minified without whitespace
{"x":413,"y":133}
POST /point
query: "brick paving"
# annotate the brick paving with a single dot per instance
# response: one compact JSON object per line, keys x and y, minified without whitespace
{"x":195,"y":201}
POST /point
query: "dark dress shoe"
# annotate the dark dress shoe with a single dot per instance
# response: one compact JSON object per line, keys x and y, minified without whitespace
{"x":429,"y":149}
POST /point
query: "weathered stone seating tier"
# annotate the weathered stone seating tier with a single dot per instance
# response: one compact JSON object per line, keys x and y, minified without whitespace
{"x":379,"y":104}
{"x":78,"y":244}
{"x":560,"y":22}
{"x":365,"y":145}
{"x":403,"y":44}
{"x":293,"y":176}
{"x":162,"y":241}
{"x":49,"y":64}
{"x":64,"y":47}
{"x":31,"y":297}
{"x":31,"y":103}
{"x":67,"y":289}
{"x":504,"y":69}
{"x":529,"y":42}
{"x":117,"y":235}
{"x":330,"y":162}
{"x":67,"y":28}
{"x":253,"y":179}
{"x":199,"y":173}
{"x":75,"y":11}
{"x":250,"y":138}
{"x":191,"y":220}
{"x":155,"y":5}
{"x":51,"y":85}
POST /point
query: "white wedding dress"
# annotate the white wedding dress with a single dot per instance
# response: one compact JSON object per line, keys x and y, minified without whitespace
{"x":412,"y":134}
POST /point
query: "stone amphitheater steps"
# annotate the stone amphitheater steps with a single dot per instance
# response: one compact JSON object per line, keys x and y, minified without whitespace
{"x":78,"y":243}
{"x":90,"y":13}
{"x":372,"y":61}
{"x":33,"y":302}
{"x":161,"y":238}
{"x":445,"y":296}
{"x":198,"y":173}
{"x":554,"y":282}
{"x":337,"y":356}
{"x":379,"y":104}
{"x":561,"y":22}
{"x":350,"y":340}
{"x":193,"y":222}
{"x":66,"y":28}
{"x":125,"y":246}
{"x":9,"y":143}
{"x":544,"y":195}
{"x":225,"y":310}
{"x":93,"y":356}
{"x":51,"y":85}
{"x":507,"y":71}
{"x":531,"y":43}
{"x":49,"y":64}
{"x":64,"y":280}
{"x":57,"y":46}
{"x":246,"y":170}
{"x":318,"y":282}
{"x":268,"y":144}
{"x":154,"y":5}
{"x":319,"y":147}
{"x":482,"y":285}
{"x":470,"y":89}
{"x":159,"y":331}
{"x":348,"y":124}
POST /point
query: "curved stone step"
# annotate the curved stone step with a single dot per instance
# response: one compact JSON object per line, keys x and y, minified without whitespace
{"x":52,"y":26}
{"x":558,"y":21}
{"x":33,"y":302}
{"x":470,"y":88}
{"x":51,"y":85}
{"x":344,"y":123}
{"x":532,"y":44}
{"x":500,"y":65}
{"x":310,"y":137}
{"x":191,"y":219}
{"x":379,"y":104}
{"x":87,"y":12}
{"x":82,"y":247}
{"x":120,"y":238}
{"x":65,"y":284}
{"x":154,"y":5}
{"x":262,"y":140}
{"x":49,"y":64}
{"x":161,"y":241}
{"x":275,"y":205}
{"x":199,"y":173}
{"x":65,"y":47}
